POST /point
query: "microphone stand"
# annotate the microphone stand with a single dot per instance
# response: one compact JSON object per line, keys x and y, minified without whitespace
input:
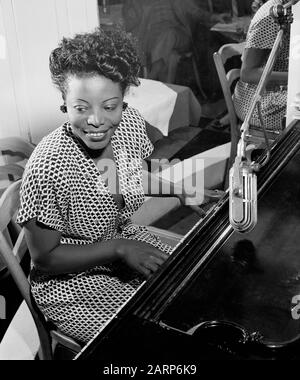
{"x":242,"y":189}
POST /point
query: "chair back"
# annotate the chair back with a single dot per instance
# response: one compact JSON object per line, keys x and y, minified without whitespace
{"x":227,"y":81}
{"x":15,"y":149}
{"x":14,"y":153}
{"x":11,"y":254}
{"x":9,"y":173}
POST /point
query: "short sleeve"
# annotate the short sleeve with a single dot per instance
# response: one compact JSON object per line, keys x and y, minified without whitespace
{"x":39,"y":199}
{"x":262,"y":33}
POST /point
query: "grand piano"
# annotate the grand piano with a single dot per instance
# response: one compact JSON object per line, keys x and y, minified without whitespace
{"x":222,"y":294}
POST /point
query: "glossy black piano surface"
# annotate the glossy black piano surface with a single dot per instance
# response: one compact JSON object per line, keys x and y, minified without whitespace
{"x":223,"y":294}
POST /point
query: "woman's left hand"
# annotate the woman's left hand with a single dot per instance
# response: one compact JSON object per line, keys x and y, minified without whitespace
{"x":197,"y":198}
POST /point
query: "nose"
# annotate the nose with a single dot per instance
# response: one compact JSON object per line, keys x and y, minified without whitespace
{"x":96,"y":118}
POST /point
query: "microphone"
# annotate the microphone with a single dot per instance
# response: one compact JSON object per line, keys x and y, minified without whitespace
{"x":242,"y":196}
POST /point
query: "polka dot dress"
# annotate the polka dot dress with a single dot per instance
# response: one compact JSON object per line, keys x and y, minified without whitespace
{"x":63,"y":188}
{"x":261,"y":35}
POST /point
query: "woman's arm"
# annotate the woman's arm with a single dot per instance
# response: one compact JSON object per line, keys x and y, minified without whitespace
{"x":252,"y":68}
{"x":51,"y":257}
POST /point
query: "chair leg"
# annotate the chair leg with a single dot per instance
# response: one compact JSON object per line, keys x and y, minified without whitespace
{"x":45,"y":350}
{"x":197,"y":77}
{"x":172,"y":67}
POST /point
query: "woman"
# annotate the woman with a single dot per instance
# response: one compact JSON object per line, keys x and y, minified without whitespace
{"x":261,"y":36}
{"x":81,"y":186}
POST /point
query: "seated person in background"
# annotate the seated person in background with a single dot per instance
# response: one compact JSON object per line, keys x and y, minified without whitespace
{"x":82,"y":184}
{"x":164,"y":29}
{"x":259,"y":42}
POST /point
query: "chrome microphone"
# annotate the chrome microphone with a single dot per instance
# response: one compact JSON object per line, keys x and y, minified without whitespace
{"x":242,"y":196}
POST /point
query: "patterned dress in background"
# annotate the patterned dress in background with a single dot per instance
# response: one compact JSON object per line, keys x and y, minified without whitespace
{"x":261,"y":35}
{"x":63,"y":188}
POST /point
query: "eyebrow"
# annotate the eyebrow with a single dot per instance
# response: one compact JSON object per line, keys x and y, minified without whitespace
{"x":114,"y":97}
{"x":82,"y":100}
{"x":106,"y":100}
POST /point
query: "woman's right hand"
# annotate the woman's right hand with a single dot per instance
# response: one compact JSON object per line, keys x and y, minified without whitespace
{"x":141,"y":256}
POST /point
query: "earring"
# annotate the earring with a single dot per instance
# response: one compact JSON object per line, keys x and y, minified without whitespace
{"x":63,"y":108}
{"x":124,"y":106}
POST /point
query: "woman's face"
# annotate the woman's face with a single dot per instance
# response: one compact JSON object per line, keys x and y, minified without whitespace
{"x":94,"y":107}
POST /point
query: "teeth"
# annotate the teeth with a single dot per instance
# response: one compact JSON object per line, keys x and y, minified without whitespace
{"x":96,"y":134}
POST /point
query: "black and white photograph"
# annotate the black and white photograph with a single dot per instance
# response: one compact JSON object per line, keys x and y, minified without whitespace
{"x":149,"y":183}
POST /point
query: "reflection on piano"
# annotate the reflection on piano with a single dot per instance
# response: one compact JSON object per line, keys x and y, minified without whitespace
{"x":222,"y":295}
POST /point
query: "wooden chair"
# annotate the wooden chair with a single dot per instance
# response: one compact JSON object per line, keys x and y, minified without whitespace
{"x":228,"y":81}
{"x":14,"y":153}
{"x":11,"y":255}
{"x":15,"y":149}
{"x":8,"y":173}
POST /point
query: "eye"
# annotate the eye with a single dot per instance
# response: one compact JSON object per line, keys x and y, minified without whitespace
{"x":110,"y":108}
{"x":80,"y":109}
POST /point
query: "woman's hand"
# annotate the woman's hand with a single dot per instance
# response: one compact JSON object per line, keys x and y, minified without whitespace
{"x":141,"y":256}
{"x":200,"y":197}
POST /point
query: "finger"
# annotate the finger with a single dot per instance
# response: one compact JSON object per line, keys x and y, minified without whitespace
{"x":157,"y":260}
{"x":144,"y":271}
{"x":151,"y":250}
{"x":159,"y":254}
{"x":152,"y":266}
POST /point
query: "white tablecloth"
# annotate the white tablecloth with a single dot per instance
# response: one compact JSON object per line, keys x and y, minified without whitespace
{"x":165,"y":106}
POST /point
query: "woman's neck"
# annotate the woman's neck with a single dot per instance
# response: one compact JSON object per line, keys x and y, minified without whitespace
{"x":92,"y":153}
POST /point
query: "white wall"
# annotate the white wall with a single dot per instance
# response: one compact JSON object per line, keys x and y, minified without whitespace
{"x":30,"y":29}
{"x":294,"y":63}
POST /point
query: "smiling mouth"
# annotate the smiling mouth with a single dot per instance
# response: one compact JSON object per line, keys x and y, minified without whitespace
{"x":96,"y":134}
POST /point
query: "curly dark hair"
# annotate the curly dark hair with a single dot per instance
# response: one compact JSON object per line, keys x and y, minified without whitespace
{"x":112,"y":54}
